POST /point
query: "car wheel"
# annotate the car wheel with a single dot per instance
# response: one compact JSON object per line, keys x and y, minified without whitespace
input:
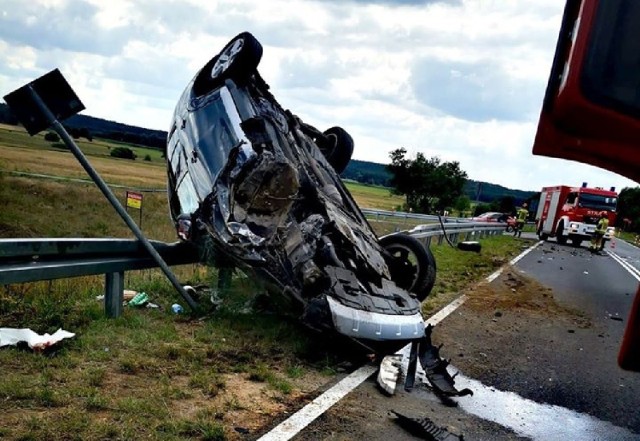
{"x":509,"y":229}
{"x":576,"y":242}
{"x":561,"y":238}
{"x":239,"y":60}
{"x":412,"y":265}
{"x":338,"y":148}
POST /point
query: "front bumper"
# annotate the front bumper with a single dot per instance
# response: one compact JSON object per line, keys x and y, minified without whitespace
{"x":375,"y":326}
{"x":586,"y":231}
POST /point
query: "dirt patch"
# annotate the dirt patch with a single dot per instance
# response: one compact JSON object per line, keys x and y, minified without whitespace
{"x":496,"y":321}
{"x":515,"y":293}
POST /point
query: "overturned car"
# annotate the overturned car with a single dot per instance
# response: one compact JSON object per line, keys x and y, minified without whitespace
{"x":262,"y":188}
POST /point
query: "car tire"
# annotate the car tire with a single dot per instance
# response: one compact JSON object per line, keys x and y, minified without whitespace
{"x":338,"y":149}
{"x":238,"y":60}
{"x":576,"y":242}
{"x":406,"y":255}
{"x":541,"y":235}
{"x":510,"y":229}
{"x":560,"y":238}
{"x":470,"y":245}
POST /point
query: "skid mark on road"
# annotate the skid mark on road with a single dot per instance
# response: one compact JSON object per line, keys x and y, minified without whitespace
{"x":305,"y":416}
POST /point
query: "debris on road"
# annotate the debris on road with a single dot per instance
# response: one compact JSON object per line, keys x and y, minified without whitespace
{"x":37,"y":342}
{"x":389,"y":372}
{"x":435,"y":368}
{"x":425,"y":428}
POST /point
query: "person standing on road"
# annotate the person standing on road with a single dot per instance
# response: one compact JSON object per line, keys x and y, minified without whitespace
{"x":601,"y":228}
{"x":522,"y":215}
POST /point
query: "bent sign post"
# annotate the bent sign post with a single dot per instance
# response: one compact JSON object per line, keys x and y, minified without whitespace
{"x":43,"y":103}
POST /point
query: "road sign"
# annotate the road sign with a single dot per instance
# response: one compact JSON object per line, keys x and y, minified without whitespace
{"x":134,"y":200}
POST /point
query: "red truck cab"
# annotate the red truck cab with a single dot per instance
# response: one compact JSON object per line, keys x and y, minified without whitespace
{"x":571,"y":213}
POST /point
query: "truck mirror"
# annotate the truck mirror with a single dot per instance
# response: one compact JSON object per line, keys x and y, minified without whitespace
{"x":591,"y":109}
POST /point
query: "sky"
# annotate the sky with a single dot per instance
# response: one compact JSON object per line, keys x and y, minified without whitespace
{"x":462,"y":80}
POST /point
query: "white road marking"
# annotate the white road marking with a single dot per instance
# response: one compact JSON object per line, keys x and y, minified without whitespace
{"x":305,"y":416}
{"x":626,"y":265}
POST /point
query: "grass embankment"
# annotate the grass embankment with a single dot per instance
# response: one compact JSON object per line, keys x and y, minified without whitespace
{"x":152,"y":374}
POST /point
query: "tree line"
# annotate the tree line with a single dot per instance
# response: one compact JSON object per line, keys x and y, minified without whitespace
{"x":82,"y":126}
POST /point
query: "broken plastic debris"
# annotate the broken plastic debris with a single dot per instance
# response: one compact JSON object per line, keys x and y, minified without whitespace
{"x":425,"y":428}
{"x":585,"y":272}
{"x":389,"y":372}
{"x":11,"y":336}
{"x":435,"y":368}
{"x":139,"y":299}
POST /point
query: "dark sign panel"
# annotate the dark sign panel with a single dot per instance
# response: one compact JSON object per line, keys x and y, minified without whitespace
{"x":56,"y":94}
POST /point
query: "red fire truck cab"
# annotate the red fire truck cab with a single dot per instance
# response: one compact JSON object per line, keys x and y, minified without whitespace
{"x":571,"y":213}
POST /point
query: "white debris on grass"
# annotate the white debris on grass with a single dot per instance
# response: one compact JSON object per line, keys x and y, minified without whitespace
{"x":12,"y":336}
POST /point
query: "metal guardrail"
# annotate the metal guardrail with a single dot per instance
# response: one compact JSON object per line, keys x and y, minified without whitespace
{"x":383,"y":214}
{"x":456,"y":232}
{"x":31,"y":260}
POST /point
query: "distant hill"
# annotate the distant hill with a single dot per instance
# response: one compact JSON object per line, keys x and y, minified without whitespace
{"x":361,"y":171}
{"x":377,"y":174}
{"x":102,"y":128}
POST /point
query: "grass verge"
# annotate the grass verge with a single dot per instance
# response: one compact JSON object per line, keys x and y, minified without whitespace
{"x":152,"y":374}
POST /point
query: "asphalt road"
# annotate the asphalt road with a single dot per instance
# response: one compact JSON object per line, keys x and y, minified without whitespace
{"x":534,"y":378}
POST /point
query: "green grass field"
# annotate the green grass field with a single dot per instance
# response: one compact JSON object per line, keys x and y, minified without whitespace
{"x":152,"y":374}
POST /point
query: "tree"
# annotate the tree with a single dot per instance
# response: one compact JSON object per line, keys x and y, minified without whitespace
{"x":428,"y":184}
{"x":507,"y":204}
{"x":462,"y":204}
{"x":51,"y":137}
{"x":123,"y":152}
{"x":629,"y":208}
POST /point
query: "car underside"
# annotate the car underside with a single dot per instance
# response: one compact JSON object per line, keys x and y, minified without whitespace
{"x":261,"y":189}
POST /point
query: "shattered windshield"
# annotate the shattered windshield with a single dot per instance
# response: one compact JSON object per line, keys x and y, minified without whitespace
{"x":597,"y":202}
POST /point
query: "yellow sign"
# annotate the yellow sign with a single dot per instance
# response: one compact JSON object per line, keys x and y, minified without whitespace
{"x":134,"y":200}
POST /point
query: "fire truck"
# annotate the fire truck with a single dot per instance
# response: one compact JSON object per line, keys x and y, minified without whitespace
{"x":571,"y":213}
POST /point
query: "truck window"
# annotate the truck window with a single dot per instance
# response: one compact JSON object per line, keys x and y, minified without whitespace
{"x":597,"y":202}
{"x":610,"y":76}
{"x":571,"y":199}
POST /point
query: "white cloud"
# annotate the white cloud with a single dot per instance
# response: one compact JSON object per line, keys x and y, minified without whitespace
{"x":462,"y":80}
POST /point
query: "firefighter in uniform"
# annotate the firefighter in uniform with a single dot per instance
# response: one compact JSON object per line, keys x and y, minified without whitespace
{"x":522,"y":215}
{"x":601,"y":228}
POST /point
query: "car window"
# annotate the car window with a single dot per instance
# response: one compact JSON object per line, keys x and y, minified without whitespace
{"x":215,"y":125}
{"x":187,"y":195}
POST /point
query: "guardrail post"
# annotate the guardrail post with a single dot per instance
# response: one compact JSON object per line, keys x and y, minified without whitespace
{"x":114,"y":294}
